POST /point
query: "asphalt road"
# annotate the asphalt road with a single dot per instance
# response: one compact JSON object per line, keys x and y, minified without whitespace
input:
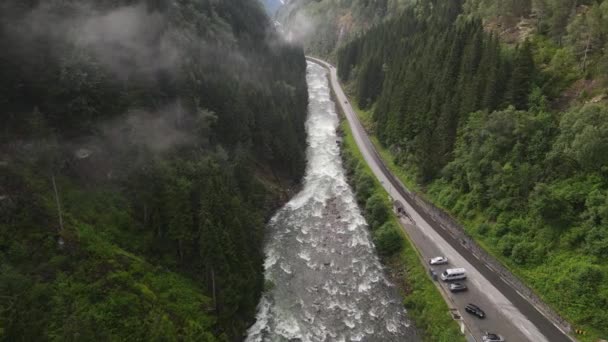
{"x":508,"y":313}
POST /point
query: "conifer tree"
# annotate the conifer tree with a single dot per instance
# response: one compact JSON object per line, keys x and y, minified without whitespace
{"x":520,"y":84}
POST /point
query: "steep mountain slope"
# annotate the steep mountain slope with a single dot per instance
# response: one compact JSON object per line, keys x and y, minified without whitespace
{"x":497,"y":111}
{"x":321,"y":26}
{"x":487,"y":130}
{"x":143,"y":145}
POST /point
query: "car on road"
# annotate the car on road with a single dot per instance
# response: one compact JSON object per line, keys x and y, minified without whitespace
{"x":440,"y":260}
{"x":452,"y":274}
{"x":457,"y":287}
{"x":491,"y":337}
{"x":475,"y":310}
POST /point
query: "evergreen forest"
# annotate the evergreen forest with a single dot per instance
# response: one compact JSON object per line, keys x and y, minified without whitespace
{"x":143,"y":146}
{"x":498,"y":113}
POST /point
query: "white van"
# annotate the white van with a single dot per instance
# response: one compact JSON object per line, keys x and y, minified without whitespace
{"x":454,"y":274}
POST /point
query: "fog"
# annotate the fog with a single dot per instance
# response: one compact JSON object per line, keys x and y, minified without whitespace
{"x":128,"y":37}
{"x":126,"y":40}
{"x":130,"y":43}
{"x":141,"y":44}
{"x":157,"y":132}
{"x":301,"y":26}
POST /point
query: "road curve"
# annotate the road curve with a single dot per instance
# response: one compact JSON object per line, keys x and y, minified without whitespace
{"x":509,"y":314}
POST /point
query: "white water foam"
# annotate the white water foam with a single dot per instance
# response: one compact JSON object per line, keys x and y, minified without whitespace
{"x":319,"y":254}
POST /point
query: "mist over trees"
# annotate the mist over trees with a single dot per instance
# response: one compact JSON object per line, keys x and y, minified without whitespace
{"x":143,"y":145}
{"x":322,"y":26}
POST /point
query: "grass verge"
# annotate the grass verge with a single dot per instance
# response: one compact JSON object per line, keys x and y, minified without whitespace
{"x":424,"y":303}
{"x":365,"y":116}
{"x":536,"y":277}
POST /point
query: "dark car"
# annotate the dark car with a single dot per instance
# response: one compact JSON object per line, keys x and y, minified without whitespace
{"x":458,"y":287}
{"x":491,"y":337}
{"x":475,"y":310}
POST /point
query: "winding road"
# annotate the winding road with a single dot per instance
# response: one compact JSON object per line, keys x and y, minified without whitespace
{"x":508,"y":313}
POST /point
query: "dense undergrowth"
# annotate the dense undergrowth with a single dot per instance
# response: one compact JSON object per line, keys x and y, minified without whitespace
{"x":143,"y":145}
{"x":492,"y":133}
{"x":425,"y":306}
{"x":538,"y":269}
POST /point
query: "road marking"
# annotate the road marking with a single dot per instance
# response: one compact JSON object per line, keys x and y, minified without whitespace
{"x":513,"y":314}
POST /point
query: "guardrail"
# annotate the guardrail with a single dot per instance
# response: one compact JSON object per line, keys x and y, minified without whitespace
{"x":456,"y":231}
{"x":452,"y":227}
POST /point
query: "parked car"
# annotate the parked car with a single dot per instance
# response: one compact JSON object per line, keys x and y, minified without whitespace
{"x":475,"y":310}
{"x":458,"y":287}
{"x":452,"y":274}
{"x":491,"y":337}
{"x":433,"y":274}
{"x":440,"y":260}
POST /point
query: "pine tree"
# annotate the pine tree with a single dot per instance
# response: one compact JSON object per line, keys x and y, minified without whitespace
{"x":520,"y":84}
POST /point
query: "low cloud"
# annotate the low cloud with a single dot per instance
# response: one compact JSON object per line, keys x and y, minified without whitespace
{"x":157,"y":132}
{"x":126,"y":40}
{"x":299,"y":28}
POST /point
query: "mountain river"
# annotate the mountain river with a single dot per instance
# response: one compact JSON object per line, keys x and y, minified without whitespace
{"x":328,"y":284}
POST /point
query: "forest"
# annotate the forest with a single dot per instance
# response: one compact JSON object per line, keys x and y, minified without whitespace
{"x":143,"y":146}
{"x":498,"y":110}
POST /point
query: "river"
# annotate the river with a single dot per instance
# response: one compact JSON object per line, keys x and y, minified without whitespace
{"x":327,"y":282}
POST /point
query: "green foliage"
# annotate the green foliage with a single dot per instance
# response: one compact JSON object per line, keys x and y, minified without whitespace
{"x":596,"y":221}
{"x":376,"y":211}
{"x":370,"y":81}
{"x":387,"y":239}
{"x":427,"y":75}
{"x":474,"y":122}
{"x":538,"y":223}
{"x":583,"y":137}
{"x":95,"y":290}
{"x":170,"y":140}
{"x":551,"y":206}
{"x":364,"y":185}
{"x":424,"y":304}
{"x":522,"y":76}
{"x":524,"y":164}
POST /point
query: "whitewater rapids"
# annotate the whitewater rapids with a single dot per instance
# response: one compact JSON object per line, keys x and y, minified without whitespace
{"x":328,"y":284}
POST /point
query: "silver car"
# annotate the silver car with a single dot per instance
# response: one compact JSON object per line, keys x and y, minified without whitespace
{"x":440,"y":260}
{"x":457,"y":287}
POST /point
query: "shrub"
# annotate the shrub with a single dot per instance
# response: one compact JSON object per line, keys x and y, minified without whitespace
{"x":501,"y":229}
{"x":518,"y":225}
{"x":364,"y":185}
{"x":506,"y":244}
{"x":376,"y":211}
{"x":521,"y":252}
{"x":483,"y":228}
{"x":387,"y":239}
{"x":597,"y":242}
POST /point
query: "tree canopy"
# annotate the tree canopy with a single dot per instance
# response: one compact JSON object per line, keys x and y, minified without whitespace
{"x":504,"y":136}
{"x":162,"y":134}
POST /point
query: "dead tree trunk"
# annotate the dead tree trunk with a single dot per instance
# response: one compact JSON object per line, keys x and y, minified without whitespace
{"x":213,"y":288}
{"x":58,"y":202}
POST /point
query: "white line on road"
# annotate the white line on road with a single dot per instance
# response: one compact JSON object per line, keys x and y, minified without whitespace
{"x":491,"y":293}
